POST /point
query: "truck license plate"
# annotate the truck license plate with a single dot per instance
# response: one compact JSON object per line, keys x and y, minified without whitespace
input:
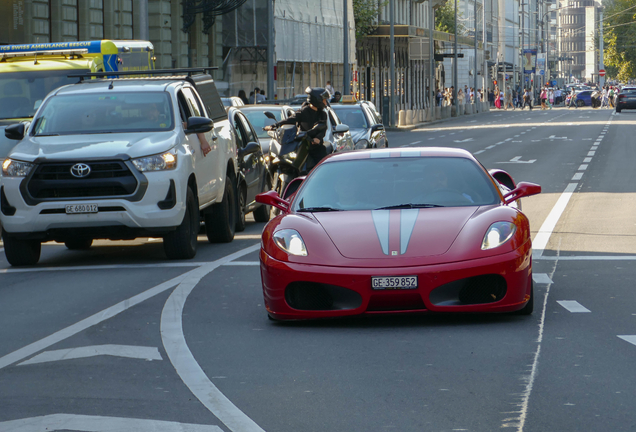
{"x":394,"y":282}
{"x":81,"y":208}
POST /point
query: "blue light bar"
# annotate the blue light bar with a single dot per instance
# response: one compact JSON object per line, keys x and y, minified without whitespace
{"x":93,"y":47}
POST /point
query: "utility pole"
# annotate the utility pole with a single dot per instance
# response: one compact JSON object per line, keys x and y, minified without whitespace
{"x":601,"y":79}
{"x":271,"y":92}
{"x":392,"y":66}
{"x":345,"y":26}
{"x":455,"y":62}
{"x":475,"y":62}
{"x":523,"y":46}
{"x":431,"y":60}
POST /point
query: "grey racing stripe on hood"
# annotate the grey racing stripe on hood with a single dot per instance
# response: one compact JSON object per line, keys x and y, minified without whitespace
{"x":407,"y":223}
{"x":381,"y":222}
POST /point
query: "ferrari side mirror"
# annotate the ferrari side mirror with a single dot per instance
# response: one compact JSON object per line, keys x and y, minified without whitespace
{"x":523,"y":189}
{"x":271,"y":198}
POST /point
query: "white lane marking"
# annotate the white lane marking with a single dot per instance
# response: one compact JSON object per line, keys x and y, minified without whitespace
{"x":243,"y":263}
{"x":103,"y":315}
{"x":553,"y":137}
{"x":517,"y":159}
{"x":577,"y":176}
{"x":588,"y":258}
{"x":464,"y":140}
{"x":479,"y":151}
{"x":591,"y":153}
{"x":587,"y":160}
{"x":490,"y":146}
{"x":543,"y":236}
{"x":415,"y":142}
{"x":522,"y":133}
{"x":587,"y":139}
{"x":507,"y":139}
{"x":573,"y":306}
{"x":500,"y":142}
{"x":582,"y":167}
{"x":184,"y":362}
{"x":431,"y":138}
{"x":75,"y":422}
{"x":628,"y":338}
{"x":541,"y":278}
{"x":594,"y":147}
{"x":137,"y":352}
{"x":103,"y":267}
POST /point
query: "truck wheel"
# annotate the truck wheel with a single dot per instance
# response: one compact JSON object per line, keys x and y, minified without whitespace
{"x":182,"y":242}
{"x":220,"y":221}
{"x":262,"y":214}
{"x":240,"y":219}
{"x":79,"y":244}
{"x":21,"y":252}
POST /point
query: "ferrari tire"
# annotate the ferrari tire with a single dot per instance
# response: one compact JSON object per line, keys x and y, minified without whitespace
{"x":21,"y":252}
{"x":240,"y":210}
{"x":79,"y":244}
{"x":220,"y":221}
{"x":262,"y":213}
{"x":182,"y":242}
{"x":529,"y":307}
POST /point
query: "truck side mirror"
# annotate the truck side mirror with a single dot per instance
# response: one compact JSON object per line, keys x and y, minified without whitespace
{"x":15,"y":131}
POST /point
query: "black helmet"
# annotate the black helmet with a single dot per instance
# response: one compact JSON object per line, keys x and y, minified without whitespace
{"x":317,"y":96}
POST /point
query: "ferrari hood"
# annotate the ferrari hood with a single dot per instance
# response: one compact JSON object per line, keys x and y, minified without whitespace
{"x":395,"y":233}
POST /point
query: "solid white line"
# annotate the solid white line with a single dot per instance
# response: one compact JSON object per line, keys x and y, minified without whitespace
{"x":103,"y":267}
{"x":577,"y":176}
{"x":587,"y":258}
{"x":243,"y":263}
{"x":543,"y":236}
{"x":184,"y":362}
{"x":573,"y":306}
{"x":587,"y":160}
{"x":138,"y":352}
{"x":582,"y":167}
{"x":76,"y":422}
{"x":541,"y":278}
{"x":628,"y":338}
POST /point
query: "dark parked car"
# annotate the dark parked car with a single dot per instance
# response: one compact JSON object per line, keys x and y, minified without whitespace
{"x":626,"y":99}
{"x":253,"y":176}
{"x":364,"y":124}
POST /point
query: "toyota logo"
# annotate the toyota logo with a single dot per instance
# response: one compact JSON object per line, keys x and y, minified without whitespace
{"x":80,"y":170}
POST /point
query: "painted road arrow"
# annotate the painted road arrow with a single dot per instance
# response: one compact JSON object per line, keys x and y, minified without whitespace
{"x":517,"y":159}
{"x":466,"y":140}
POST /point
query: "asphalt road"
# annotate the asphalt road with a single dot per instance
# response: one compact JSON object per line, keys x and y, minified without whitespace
{"x":118,"y":338}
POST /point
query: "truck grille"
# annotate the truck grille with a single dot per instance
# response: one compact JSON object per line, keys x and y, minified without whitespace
{"x":106,"y":179}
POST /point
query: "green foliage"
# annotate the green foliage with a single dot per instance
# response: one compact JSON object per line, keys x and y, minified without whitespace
{"x":365,"y":13}
{"x":619,"y":37}
{"x":445,"y":18}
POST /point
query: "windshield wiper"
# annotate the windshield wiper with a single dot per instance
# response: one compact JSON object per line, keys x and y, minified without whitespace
{"x":409,"y":206}
{"x":318,"y":209}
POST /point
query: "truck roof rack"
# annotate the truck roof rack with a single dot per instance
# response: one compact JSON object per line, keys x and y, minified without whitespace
{"x":150,"y":72}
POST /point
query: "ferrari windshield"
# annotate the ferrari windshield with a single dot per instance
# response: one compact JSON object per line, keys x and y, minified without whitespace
{"x":105,"y":113}
{"x":397,"y":182}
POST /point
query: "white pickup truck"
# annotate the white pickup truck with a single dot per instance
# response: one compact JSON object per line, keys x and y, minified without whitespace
{"x":119,"y":159}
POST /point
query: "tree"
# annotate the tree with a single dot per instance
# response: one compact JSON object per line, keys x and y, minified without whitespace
{"x":619,"y":36}
{"x":445,"y":18}
{"x":365,"y":13}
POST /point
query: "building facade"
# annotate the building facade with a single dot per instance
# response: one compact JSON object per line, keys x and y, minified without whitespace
{"x":578,"y":27}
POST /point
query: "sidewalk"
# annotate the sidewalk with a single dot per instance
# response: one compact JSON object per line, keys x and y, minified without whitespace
{"x":442,"y":114}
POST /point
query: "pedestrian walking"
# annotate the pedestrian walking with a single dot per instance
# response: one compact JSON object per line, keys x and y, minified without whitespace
{"x":508,"y":99}
{"x":543,"y":96}
{"x":526,"y":99}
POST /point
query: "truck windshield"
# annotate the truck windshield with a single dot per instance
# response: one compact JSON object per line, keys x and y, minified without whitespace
{"x":21,"y":93}
{"x":111,"y":112}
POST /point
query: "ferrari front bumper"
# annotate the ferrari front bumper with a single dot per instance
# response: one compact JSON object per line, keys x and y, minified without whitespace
{"x":501,"y":283}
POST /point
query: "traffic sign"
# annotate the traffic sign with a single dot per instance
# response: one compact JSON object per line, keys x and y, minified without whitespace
{"x":541,"y":72}
{"x":554,"y":83}
{"x":601,"y":72}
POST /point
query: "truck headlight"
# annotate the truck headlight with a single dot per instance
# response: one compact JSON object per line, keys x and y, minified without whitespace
{"x":14,"y":168}
{"x":160,"y":162}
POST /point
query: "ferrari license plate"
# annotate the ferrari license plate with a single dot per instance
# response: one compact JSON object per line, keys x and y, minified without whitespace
{"x":394,"y":282}
{"x":81,"y":208}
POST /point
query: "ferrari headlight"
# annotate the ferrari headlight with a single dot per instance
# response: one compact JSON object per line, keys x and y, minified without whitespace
{"x":160,"y":162}
{"x":14,"y":168}
{"x":498,"y":234}
{"x":291,"y":242}
{"x":362,"y":144}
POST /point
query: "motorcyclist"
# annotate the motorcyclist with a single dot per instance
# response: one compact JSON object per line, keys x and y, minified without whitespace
{"x":311,"y":118}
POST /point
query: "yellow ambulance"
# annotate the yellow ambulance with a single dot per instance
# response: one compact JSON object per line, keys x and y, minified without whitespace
{"x":29,"y":72}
